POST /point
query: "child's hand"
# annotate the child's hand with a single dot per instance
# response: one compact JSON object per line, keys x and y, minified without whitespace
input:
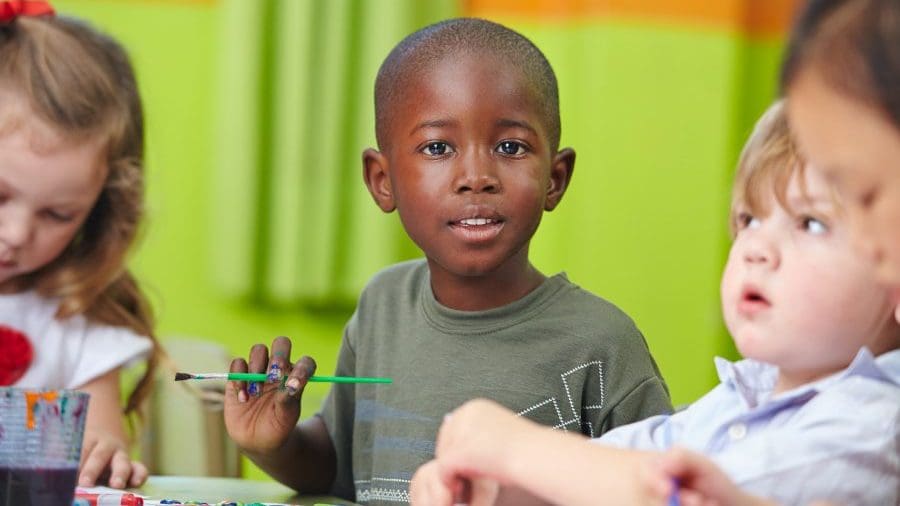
{"x":104,"y":455}
{"x":428,"y":488}
{"x":104,"y":452}
{"x":261,"y":416}
{"x":700,"y":481}
{"x":467,"y":442}
{"x":472,"y":440}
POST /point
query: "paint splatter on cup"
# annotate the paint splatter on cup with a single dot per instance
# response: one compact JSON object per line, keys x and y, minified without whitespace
{"x":41,"y":432}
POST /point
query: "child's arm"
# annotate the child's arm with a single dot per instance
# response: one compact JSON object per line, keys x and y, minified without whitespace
{"x":481,"y":440}
{"x":263,"y":421}
{"x":105,"y":448}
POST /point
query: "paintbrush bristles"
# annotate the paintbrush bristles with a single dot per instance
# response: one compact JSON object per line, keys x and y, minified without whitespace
{"x":179,"y":376}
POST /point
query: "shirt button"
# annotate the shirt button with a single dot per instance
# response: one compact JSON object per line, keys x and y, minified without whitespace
{"x":737,"y":431}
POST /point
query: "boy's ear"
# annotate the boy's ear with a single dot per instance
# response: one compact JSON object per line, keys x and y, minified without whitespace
{"x":377,"y":179}
{"x":561,"y":169}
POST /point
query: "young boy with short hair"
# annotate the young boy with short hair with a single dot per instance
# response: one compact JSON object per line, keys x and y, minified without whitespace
{"x":812,"y":412}
{"x":467,"y":122}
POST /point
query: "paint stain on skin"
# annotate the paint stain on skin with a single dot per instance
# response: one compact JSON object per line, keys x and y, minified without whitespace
{"x":253,"y":389}
{"x":274,"y":375}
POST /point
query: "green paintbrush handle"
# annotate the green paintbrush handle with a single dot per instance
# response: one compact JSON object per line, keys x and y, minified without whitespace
{"x":348,"y":379}
{"x":260,"y":377}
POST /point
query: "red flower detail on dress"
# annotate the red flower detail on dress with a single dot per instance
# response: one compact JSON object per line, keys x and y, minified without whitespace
{"x":16,"y":355}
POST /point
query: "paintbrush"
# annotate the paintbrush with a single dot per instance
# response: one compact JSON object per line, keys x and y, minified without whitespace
{"x":262,"y":377}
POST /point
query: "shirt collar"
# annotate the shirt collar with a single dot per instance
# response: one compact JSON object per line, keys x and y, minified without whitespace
{"x":754,"y":380}
{"x":884,"y":367}
{"x":751,"y":379}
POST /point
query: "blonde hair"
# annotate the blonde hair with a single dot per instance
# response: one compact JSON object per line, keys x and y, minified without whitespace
{"x":81,"y":83}
{"x":767,"y":164}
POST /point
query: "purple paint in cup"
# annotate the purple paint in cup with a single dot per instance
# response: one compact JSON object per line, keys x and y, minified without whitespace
{"x":41,"y":432}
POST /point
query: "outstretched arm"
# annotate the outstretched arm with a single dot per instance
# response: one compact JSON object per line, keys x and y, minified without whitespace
{"x":483,"y":441}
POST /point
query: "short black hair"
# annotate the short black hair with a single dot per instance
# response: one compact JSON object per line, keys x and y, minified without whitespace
{"x":854,"y":45}
{"x":423,"y":48}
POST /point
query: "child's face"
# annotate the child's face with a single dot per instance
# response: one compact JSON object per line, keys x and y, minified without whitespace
{"x":859,"y":150}
{"x":468,"y":165}
{"x":47,"y":190}
{"x":795,"y":293}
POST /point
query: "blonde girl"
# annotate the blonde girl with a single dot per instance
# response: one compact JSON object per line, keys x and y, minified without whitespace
{"x":71,"y":199}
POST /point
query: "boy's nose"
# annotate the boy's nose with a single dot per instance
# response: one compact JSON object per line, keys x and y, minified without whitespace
{"x":477,"y":176}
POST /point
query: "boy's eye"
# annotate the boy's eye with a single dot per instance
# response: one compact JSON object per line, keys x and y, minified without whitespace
{"x":747,"y":220}
{"x":437,"y":149}
{"x":511,"y":148}
{"x":813,"y":225}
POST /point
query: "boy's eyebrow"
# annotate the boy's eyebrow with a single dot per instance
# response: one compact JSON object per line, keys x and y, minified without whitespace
{"x":503,"y":122}
{"x":514,"y":123}
{"x":434,"y":123}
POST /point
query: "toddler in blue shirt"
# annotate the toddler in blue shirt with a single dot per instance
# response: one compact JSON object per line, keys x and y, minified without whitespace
{"x":811,"y":413}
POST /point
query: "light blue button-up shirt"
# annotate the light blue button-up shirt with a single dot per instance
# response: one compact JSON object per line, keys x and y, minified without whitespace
{"x":837,"y":438}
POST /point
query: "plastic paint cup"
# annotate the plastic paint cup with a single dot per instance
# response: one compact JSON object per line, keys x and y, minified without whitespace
{"x":41,"y":432}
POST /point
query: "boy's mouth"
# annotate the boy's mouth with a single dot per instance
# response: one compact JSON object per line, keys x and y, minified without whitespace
{"x":475,"y":222}
{"x":752,"y":301}
{"x":477,"y":228}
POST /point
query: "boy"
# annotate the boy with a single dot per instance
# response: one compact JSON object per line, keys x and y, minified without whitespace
{"x":811,"y":414}
{"x":467,"y":122}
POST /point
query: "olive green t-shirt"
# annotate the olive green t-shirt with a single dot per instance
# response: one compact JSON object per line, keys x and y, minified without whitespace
{"x":560,"y":356}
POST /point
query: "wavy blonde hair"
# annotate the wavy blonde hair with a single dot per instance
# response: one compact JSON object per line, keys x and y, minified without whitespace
{"x":768,"y":162}
{"x":81,"y":83}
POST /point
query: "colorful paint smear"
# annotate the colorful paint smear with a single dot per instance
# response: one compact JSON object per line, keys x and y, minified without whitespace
{"x":32,"y":406}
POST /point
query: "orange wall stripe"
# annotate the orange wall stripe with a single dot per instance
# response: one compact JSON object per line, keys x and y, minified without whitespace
{"x":754,"y":17}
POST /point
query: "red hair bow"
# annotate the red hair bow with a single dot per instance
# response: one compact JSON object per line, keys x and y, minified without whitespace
{"x":11,"y":9}
{"x":15,"y":355}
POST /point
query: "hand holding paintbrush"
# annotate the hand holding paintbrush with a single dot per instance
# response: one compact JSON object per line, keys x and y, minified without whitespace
{"x":261,"y":417}
{"x":262,"y":378}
